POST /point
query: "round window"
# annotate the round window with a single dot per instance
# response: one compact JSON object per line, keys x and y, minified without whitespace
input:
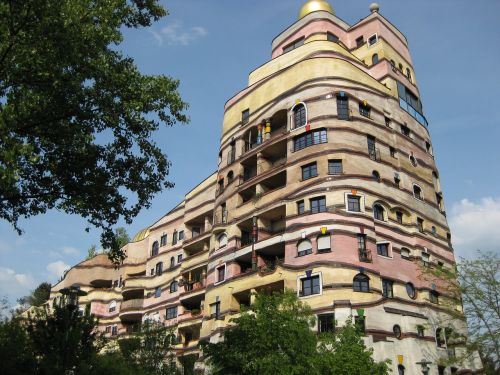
{"x":410,"y":289}
{"x":397,"y":331}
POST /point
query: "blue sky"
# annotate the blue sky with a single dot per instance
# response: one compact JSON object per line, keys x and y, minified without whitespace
{"x":212,"y":45}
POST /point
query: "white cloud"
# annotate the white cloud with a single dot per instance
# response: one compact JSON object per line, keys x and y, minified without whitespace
{"x":176,"y":34}
{"x":57,"y":268}
{"x":476,"y":226}
{"x":13,"y":283}
{"x":69,"y":250}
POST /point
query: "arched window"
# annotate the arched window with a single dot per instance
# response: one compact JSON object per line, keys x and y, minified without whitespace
{"x":304,"y":247}
{"x":230,"y":177}
{"x":417,"y":191}
{"x":172,"y":262}
{"x":400,"y":66}
{"x":159,"y":268}
{"x":361,"y":283}
{"x":299,"y":115}
{"x":174,"y":286}
{"x":410,"y":289}
{"x":413,"y":160}
{"x":378,"y":212}
{"x":222,"y":240}
{"x":393,"y":64}
{"x":397,"y":331}
{"x":405,"y":253}
{"x":376,"y":176}
{"x":154,"y":248}
{"x":375,"y":59}
{"x":440,"y":340}
{"x":112,"y":306}
{"x":408,"y":74}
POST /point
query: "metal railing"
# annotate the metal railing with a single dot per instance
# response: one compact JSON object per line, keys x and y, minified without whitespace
{"x":365,"y":255}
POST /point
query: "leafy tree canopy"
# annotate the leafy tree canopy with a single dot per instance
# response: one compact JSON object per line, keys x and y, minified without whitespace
{"x":38,"y":296}
{"x":76,"y":115}
{"x":274,"y":336}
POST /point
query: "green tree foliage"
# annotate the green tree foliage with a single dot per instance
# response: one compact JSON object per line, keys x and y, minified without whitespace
{"x":91,"y":252}
{"x":274,"y":337}
{"x":38,"y":296}
{"x":16,"y":349}
{"x":77,"y":116}
{"x":473,"y":284}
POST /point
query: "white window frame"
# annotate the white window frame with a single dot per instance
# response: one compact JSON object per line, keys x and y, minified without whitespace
{"x":389,"y":249}
{"x":421,"y":192}
{"x":299,"y":284}
{"x":368,"y":40}
{"x":218,"y":240}
{"x":361,"y":202}
{"x":217,"y":273}
{"x":292,"y":117}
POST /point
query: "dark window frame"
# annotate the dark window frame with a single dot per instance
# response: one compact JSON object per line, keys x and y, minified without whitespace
{"x":309,"y":139}
{"x":318,"y":204}
{"x":361,"y":283}
{"x":310,"y":286}
{"x":171,"y":313}
{"x":353,"y":203}
{"x":299,"y":116}
{"x":387,"y":288}
{"x":335,"y":167}
{"x":383,"y":249}
{"x":309,"y":171}
{"x":326,"y":323}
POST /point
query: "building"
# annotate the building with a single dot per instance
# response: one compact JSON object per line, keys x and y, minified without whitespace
{"x":326,"y":184}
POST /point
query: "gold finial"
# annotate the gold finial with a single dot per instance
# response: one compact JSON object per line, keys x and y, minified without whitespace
{"x":314,"y":6}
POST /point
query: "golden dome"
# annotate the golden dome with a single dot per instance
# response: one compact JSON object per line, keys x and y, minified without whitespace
{"x":141,"y":235}
{"x":314,"y":6}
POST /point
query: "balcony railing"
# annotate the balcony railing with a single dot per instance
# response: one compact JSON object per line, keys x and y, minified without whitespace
{"x":365,"y":255}
{"x":274,"y":133}
{"x":220,"y":218}
{"x":193,"y":286}
{"x":132,"y":304}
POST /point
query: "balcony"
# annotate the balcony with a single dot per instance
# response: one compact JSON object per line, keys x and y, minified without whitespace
{"x":221,"y":218}
{"x":131,"y":310}
{"x":365,"y":255}
{"x":252,"y":143}
{"x":195,"y":260}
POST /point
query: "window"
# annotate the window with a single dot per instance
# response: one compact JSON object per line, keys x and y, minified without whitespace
{"x":360,"y":41}
{"x":353,"y":203}
{"x":318,"y":205}
{"x":434,"y":297}
{"x":387,"y":290}
{"x":397,"y":331}
{"x":174,"y":238}
{"x":181,"y":235}
{"x":154,"y":249}
{"x":335,"y":167}
{"x":215,"y":310}
{"x":417,"y":191}
{"x":245,"y":116}
{"x":309,"y":139}
{"x":163,"y":240}
{"x":410,"y":103}
{"x":172,"y":262}
{"x":405,"y":253}
{"x":399,"y":217}
{"x":112,"y":306}
{"x":420,"y":330}
{"x":397,"y":179}
{"x":405,"y":130}
{"x":441,"y":370}
{"x":400,"y":67}
{"x":107,"y":329}
{"x":410,"y":290}
{"x":300,"y":207}
{"x":326,"y":323}
{"x":310,"y":286}
{"x":387,"y":121}
{"x":378,"y":212}
{"x":413,"y":160}
{"x":420,"y":225}
{"x":332,"y":37}
{"x":361,"y":242}
{"x":179,"y":258}
{"x":324,"y":243}
{"x":304,"y":247}
{"x":401,"y":370}
{"x":364,"y":109}
{"x":295,"y":44}
{"x":360,"y":324}
{"x":174,"y":286}
{"x":157,"y":292}
{"x":425,"y":259}
{"x":171,"y":313}
{"x":392,"y":151}
{"x":342,"y":106}
{"x":372,"y":150}
{"x":376,"y":176}
{"x":221,"y":273}
{"x":299,"y":115}
{"x":440,"y":341}
{"x":434,"y":231}
{"x":393,"y":64}
{"x":361,"y":283}
{"x":222,"y":240}
{"x":152,"y":271}
{"x":375,"y":59}
{"x":408,"y":74}
{"x":309,"y":171}
{"x":372,"y":40}
{"x":114,"y":330}
{"x":159,"y":268}
{"x":383,"y":249}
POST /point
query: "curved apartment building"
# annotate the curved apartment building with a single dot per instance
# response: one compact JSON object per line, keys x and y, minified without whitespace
{"x":326,"y":185}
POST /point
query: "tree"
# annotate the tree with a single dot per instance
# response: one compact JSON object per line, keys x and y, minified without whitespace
{"x":16,"y":350}
{"x":91,"y":252}
{"x":38,"y":296}
{"x":76,"y":115}
{"x":274,"y":336}
{"x":472,"y":295}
